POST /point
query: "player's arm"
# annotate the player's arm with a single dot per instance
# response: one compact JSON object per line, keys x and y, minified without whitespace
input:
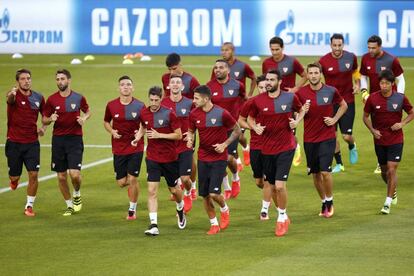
{"x":189,"y":138}
{"x":250,"y":74}
{"x":364,"y":87}
{"x":293,"y":123}
{"x":406,"y":120}
{"x":52,"y":118}
{"x":233,"y":136}
{"x":356,"y":77}
{"x":243,"y":122}
{"x":400,"y":83}
{"x":113,"y":132}
{"x":11,"y":95}
{"x":330,"y":121}
{"x":138,"y":135}
{"x":153,"y":134}
{"x":82,"y":118}
{"x":300,"y":83}
{"x":376,"y":133}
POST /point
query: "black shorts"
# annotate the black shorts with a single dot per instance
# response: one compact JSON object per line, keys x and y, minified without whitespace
{"x":168,"y":170}
{"x":232,"y":148}
{"x":391,"y":153}
{"x":346,"y":122}
{"x":210,"y":177}
{"x":276,"y":167}
{"x":67,"y":152}
{"x":18,"y":153}
{"x":185,"y":162}
{"x":256,"y":161}
{"x":127,"y":164}
{"x":319,"y":155}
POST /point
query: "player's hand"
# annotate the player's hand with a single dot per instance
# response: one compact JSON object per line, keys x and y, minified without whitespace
{"x":220,"y":147}
{"x":356,"y":89}
{"x":41,"y":131}
{"x":377,"y":134}
{"x":13,"y":92}
{"x":115,"y":134}
{"x":293,"y":123}
{"x":397,"y":126}
{"x":153,"y":134}
{"x":306,"y":106}
{"x":329,"y":121}
{"x":54,"y":117}
{"x":259,"y":129}
{"x":80,"y":120}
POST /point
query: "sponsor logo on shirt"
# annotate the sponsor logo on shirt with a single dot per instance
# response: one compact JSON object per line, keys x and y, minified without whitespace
{"x":330,"y":69}
{"x":57,"y":107}
{"x":23,"y":102}
{"x":265,"y":109}
{"x":198,"y":121}
{"x":213,"y":120}
{"x":369,"y":67}
{"x":215,"y":93}
{"x":134,"y":114}
{"x":383,"y":68}
{"x":146,"y":122}
{"x":73,"y":106}
{"x":395,"y":106}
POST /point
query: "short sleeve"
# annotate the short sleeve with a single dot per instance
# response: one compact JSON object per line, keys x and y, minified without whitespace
{"x":297,"y":67}
{"x":296,"y":104}
{"x":174,"y":122}
{"x":407,"y":105}
{"x":337,"y":98}
{"x":84,"y":105}
{"x":228,"y":120}
{"x":48,"y":110}
{"x":108,"y":115}
{"x":249,"y":72}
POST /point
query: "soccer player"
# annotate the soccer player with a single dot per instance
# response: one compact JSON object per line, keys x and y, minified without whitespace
{"x":173,"y":63}
{"x":274,"y":109}
{"x":372,"y":63}
{"x":288,"y":67}
{"x":238,"y":70}
{"x":385,"y":107}
{"x":122,"y":121}
{"x":229,"y":94}
{"x":255,"y":151}
{"x":212,"y":123}
{"x":63,"y":108}
{"x":340,"y":69}
{"x":162,"y":129}
{"x":22,"y":145}
{"x":182,"y":107}
{"x":319,"y":133}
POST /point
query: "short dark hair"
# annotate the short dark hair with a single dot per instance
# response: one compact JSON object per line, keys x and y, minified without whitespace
{"x":224,"y":61}
{"x":314,"y":65}
{"x":22,"y":71}
{"x":275,"y":72}
{"x":155,"y":91}
{"x":64,"y":72}
{"x":125,"y":77}
{"x":260,"y":79}
{"x":276,"y":40}
{"x":203,"y":90}
{"x":375,"y":39}
{"x":172,"y":59}
{"x":337,"y":36}
{"x":387,"y":75}
{"x":229,"y":44}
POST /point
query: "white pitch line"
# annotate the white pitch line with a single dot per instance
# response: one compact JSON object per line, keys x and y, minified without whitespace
{"x":50,"y":176}
{"x":85,"y":146}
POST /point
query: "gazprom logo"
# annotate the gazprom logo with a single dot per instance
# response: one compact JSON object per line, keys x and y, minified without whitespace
{"x":285,"y":29}
{"x":27,"y":36}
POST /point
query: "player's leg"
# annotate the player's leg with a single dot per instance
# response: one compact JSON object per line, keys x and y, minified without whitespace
{"x":185,"y":163}
{"x":74,"y":153}
{"x":338,"y":159}
{"x":153,"y":180}
{"x":394,"y":156}
{"x":31,"y":159}
{"x":193,"y":178}
{"x":326,"y":153}
{"x":346,"y":126}
{"x":170,"y":171}
{"x":245,"y":148}
{"x":217,"y":171}
{"x":14,"y":163}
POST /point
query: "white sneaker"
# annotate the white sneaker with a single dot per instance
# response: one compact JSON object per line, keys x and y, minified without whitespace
{"x":152,"y":230}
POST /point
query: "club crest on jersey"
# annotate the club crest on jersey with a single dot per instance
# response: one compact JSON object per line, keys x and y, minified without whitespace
{"x":231,"y":91}
{"x":116,"y":115}
{"x":73,"y":106}
{"x":283,"y":106}
{"x":213,"y":120}
{"x":23,"y":102}
{"x":236,"y":74}
{"x":285,"y":69}
{"x":37,"y":104}
{"x":160,"y":122}
{"x":183,"y":110}
{"x":134,"y":114}
{"x":395,"y":106}
{"x":347,"y":65}
{"x":383,"y":68}
{"x":325,"y":99}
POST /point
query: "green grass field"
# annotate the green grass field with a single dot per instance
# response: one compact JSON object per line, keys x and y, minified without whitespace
{"x":99,"y":241}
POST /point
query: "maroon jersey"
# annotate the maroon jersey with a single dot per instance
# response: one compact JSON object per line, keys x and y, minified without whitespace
{"x":255,"y":139}
{"x":239,"y":71}
{"x":163,"y":121}
{"x":22,"y":117}
{"x":338,"y":73}
{"x":275,"y":113}
{"x":68,"y":108}
{"x":229,"y":96}
{"x":321,"y":105}
{"x":385,"y":112}
{"x":372,"y":66}
{"x":182,"y":110}
{"x":189,"y":82}
{"x":212,"y":129}
{"x":125,"y":119}
{"x":288,"y":68}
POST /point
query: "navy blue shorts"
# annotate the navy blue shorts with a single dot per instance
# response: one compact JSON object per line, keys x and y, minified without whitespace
{"x":346,"y":122}
{"x":256,"y":162}
{"x":185,"y":162}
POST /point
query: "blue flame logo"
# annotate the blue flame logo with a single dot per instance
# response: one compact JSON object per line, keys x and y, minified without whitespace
{"x":5,"y":20}
{"x":290,"y":20}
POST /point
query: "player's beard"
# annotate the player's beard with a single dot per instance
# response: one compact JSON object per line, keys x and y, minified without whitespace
{"x":314,"y":83}
{"x":62,"y":87}
{"x":271,"y":89}
{"x":25,"y":88}
{"x":221,"y":77}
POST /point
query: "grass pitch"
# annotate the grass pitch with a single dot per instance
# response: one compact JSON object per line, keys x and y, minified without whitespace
{"x":99,"y":241}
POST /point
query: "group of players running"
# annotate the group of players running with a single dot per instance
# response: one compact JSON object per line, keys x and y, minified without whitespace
{"x":219,"y":112}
